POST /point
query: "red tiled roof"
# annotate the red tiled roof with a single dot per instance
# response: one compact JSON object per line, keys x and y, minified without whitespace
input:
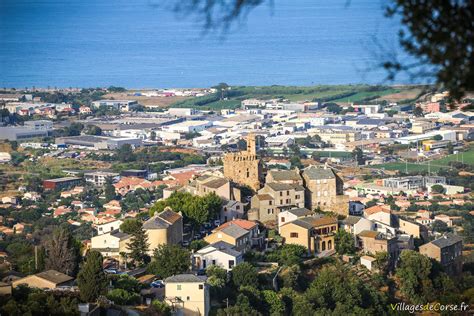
{"x":242,"y":223}
{"x":375,"y":209}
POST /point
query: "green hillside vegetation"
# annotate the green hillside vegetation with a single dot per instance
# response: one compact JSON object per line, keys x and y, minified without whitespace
{"x":321,"y":93}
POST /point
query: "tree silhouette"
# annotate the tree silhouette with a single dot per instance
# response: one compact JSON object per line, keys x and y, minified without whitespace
{"x":91,"y":279}
{"x":438,"y":34}
{"x":62,"y":255}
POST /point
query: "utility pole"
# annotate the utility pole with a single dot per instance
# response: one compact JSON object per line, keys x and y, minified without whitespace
{"x":36,"y":258}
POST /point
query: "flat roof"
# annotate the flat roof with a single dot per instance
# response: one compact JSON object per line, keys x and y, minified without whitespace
{"x":63,"y":179}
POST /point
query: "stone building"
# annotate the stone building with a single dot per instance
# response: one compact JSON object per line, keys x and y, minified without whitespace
{"x":373,"y":242}
{"x":274,"y":198}
{"x":324,"y":189}
{"x":207,"y":184}
{"x":164,"y":228}
{"x":447,"y":250}
{"x":244,"y":167}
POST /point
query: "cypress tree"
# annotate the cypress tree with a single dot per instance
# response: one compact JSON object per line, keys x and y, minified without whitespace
{"x":138,"y":247}
{"x":91,"y":278}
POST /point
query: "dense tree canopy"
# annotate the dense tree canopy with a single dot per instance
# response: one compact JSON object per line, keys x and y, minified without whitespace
{"x":169,"y":260}
{"x":244,"y":274}
{"x":195,"y":208}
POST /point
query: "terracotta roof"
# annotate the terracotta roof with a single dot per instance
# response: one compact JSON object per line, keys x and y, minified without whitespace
{"x":131,"y":182}
{"x":368,"y":234}
{"x":320,"y":221}
{"x":245,"y":224}
{"x":375,"y":209}
{"x":183,"y":178}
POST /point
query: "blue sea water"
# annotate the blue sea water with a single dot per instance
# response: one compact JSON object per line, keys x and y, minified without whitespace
{"x":133,"y":43}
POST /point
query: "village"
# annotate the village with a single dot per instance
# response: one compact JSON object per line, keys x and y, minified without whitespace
{"x":120,"y":205}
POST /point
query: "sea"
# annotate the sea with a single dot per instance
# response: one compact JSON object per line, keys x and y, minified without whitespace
{"x":149,"y":44}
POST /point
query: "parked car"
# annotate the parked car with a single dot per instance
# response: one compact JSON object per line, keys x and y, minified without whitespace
{"x":185,"y":243}
{"x":158,"y":284}
{"x":217,"y":222}
{"x":111,"y":271}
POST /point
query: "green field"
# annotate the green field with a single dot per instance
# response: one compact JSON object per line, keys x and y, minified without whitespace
{"x":434,"y":165}
{"x":321,"y":93}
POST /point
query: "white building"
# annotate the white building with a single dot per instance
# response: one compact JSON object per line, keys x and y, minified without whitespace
{"x":187,"y":126}
{"x":188,"y":295}
{"x":99,"y":178}
{"x":121,"y":105}
{"x":289,"y":216}
{"x":43,"y":125}
{"x":280,"y":141}
{"x":231,"y":210}
{"x":220,"y":254}
{"x":182,"y":111}
{"x":108,"y":227}
{"x":356,"y":224}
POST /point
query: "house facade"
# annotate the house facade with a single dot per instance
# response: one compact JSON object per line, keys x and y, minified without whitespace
{"x":188,"y":295}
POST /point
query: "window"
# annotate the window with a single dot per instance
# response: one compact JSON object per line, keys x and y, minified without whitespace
{"x":281,"y":193}
{"x":297,"y":197}
{"x":281,"y":201}
{"x":214,"y":262}
{"x":269,"y":210}
{"x":293,"y":235}
{"x":178,"y":287}
{"x":231,"y":264}
{"x":187,"y":298}
{"x":270,"y":202}
{"x":287,"y":192}
{"x":201,"y":286}
{"x":282,"y":219}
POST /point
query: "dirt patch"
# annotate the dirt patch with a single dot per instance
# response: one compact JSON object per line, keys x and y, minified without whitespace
{"x":180,"y":150}
{"x":402,"y":95}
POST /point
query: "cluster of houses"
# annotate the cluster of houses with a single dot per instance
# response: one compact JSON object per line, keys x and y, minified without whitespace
{"x":306,"y":206}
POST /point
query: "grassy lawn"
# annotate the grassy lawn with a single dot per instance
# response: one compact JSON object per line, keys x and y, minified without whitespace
{"x":322,"y":93}
{"x":467,"y":157}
